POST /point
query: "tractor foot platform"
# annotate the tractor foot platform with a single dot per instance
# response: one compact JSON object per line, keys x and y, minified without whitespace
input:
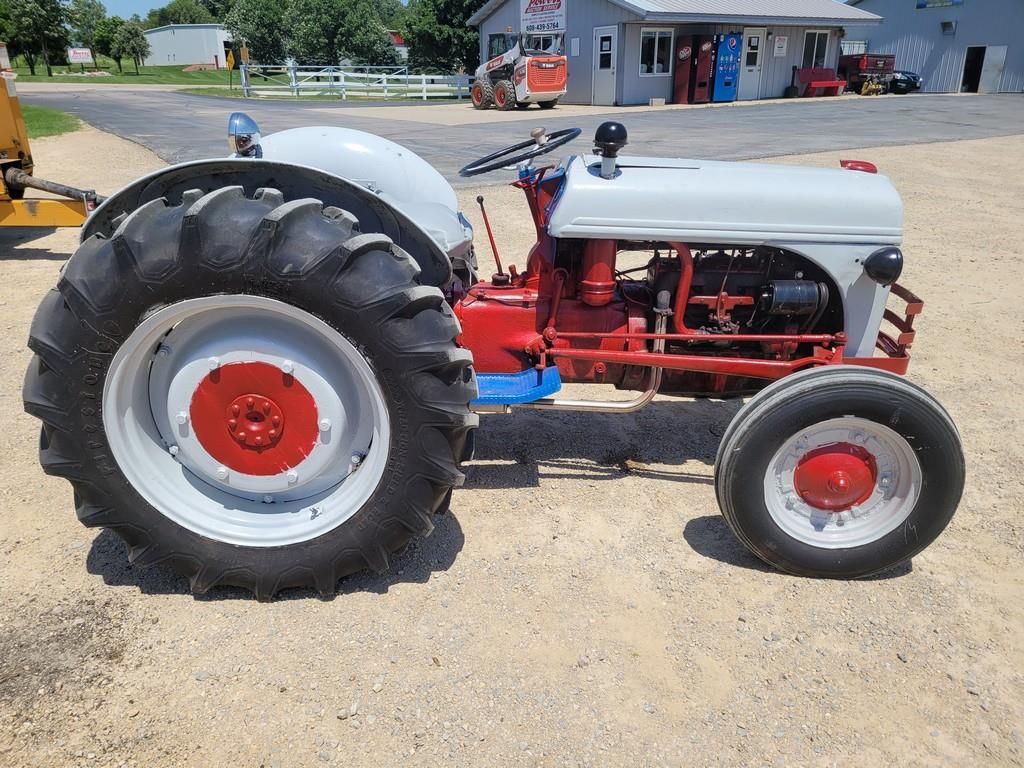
{"x":514,"y":388}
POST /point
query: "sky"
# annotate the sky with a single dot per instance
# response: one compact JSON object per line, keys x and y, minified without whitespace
{"x":125,"y":8}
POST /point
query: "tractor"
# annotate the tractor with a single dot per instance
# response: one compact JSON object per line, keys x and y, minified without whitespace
{"x":523,"y":70}
{"x":266,"y":370}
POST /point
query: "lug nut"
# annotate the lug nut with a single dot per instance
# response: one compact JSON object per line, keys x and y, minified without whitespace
{"x":213,"y":363}
{"x":222,"y":473}
{"x":235,"y":410}
{"x":288,"y":366}
{"x":268,"y":499}
{"x":293,"y":477}
{"x":357,"y":459}
{"x":164,"y":351}
{"x":325,"y":425}
{"x":181,"y":417}
{"x":173,"y":450}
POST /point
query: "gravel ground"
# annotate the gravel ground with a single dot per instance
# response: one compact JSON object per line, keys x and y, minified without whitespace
{"x":583,"y":603}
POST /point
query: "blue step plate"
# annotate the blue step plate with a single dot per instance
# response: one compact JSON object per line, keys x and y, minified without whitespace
{"x":511,"y":388}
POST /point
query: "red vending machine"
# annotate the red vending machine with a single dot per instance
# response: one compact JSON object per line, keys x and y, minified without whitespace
{"x":703,"y":57}
{"x":683,"y":70}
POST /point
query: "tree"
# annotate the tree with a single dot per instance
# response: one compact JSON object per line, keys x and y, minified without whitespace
{"x":131,"y":42}
{"x":438,"y":37}
{"x":261,"y":24}
{"x":325,"y":31}
{"x":85,"y":16}
{"x":392,"y":13}
{"x":179,"y":12}
{"x":312,"y":29}
{"x":36,"y":28}
{"x":106,"y":31}
{"x":364,"y":39}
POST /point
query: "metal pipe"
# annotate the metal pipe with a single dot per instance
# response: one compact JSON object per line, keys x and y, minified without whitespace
{"x":18,"y":179}
{"x":596,"y":406}
{"x":801,"y":338}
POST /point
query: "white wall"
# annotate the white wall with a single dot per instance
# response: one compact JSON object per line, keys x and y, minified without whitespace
{"x":184,"y":44}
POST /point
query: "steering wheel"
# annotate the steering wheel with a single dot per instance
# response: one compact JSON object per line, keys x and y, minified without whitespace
{"x":540,"y":143}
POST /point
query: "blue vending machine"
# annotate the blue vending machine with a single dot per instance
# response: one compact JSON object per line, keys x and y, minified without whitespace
{"x":727,"y":66}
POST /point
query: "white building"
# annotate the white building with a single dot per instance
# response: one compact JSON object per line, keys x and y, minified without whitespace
{"x":185,"y":44}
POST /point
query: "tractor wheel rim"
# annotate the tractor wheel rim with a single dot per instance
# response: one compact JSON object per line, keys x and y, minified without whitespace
{"x":842,"y":483}
{"x":499,"y":97}
{"x":169,"y":412}
{"x":478,"y":95}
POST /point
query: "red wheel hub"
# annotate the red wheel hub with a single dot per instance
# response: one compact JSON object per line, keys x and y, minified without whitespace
{"x":835,"y":477}
{"x":254,"y":418}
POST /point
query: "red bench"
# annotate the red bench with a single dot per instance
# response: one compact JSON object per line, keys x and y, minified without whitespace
{"x":816,"y":79}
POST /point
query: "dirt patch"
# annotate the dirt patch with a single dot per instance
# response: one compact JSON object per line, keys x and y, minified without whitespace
{"x":583,"y":603}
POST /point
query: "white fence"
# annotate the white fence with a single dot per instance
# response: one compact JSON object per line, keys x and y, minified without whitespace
{"x":350,"y":82}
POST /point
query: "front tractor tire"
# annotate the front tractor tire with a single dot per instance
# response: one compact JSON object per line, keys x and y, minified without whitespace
{"x":505,"y":95}
{"x":250,"y":391}
{"x":482,"y":93}
{"x":839,"y":472}
{"x":548,"y":104}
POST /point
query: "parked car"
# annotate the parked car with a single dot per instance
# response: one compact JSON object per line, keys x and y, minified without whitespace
{"x":905,"y":82}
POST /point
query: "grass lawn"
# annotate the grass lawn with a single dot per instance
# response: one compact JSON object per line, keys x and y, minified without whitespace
{"x":43,"y":121}
{"x":147,"y":75}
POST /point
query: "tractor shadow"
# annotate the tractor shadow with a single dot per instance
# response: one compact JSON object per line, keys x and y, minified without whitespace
{"x":108,"y":558}
{"x":710,"y":537}
{"x":13,"y":245}
{"x":525,"y":448}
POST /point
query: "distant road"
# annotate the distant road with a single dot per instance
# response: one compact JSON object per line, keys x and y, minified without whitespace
{"x":181,"y":126}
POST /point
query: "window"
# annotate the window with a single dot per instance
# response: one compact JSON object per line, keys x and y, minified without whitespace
{"x":815,"y":48}
{"x":604,"y":53}
{"x":498,"y":44}
{"x":655,"y":52}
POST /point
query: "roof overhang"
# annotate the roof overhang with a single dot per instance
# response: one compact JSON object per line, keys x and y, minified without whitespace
{"x":644,"y":14}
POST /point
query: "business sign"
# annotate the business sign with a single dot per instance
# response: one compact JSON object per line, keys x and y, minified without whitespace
{"x":938,"y":3}
{"x":781,"y":45}
{"x":5,"y":60}
{"x":79,"y":56}
{"x":541,"y":16}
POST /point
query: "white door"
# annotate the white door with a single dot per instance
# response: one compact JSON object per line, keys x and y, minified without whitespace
{"x":604,"y":66}
{"x":992,"y":69}
{"x":750,"y":65}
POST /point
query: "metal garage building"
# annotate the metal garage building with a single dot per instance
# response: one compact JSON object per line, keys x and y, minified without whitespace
{"x":955,"y":45}
{"x":187,"y":44}
{"x":623,"y":51}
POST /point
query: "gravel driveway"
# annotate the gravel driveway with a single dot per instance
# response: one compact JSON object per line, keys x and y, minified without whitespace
{"x":582,"y":603}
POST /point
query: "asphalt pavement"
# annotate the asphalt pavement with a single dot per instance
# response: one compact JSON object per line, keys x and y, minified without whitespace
{"x":181,"y":126}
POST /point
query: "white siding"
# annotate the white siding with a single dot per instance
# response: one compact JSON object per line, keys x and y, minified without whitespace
{"x":185,"y":44}
{"x":916,"y":37}
{"x":776,"y":72}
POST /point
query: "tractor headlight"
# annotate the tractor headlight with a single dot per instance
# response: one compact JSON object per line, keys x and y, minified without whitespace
{"x":244,"y":135}
{"x":884,"y":265}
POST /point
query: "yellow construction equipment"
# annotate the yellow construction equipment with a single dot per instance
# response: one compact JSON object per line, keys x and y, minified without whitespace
{"x":16,"y":176}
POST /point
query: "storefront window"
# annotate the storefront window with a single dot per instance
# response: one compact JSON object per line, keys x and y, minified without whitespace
{"x":655,"y":52}
{"x":815,"y":48}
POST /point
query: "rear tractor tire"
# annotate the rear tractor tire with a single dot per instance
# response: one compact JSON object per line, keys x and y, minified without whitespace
{"x":482,"y":94}
{"x":250,"y":391}
{"x":548,"y":104}
{"x":839,"y":472}
{"x":504,"y":95}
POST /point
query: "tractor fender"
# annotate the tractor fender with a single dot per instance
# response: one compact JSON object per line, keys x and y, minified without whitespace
{"x":375,"y":214}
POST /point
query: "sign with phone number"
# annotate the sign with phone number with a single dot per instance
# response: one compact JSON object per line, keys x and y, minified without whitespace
{"x":541,"y":16}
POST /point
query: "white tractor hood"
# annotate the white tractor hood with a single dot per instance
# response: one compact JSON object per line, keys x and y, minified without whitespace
{"x":703,"y":201}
